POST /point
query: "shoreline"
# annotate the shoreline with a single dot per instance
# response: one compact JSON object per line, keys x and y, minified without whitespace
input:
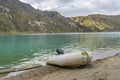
{"x":20,"y":33}
{"x":102,"y":69}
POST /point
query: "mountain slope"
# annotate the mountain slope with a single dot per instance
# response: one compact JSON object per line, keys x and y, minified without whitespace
{"x":16,"y":16}
{"x":98,"y":22}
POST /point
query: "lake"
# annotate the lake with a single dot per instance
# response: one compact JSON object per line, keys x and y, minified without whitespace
{"x":18,"y":49}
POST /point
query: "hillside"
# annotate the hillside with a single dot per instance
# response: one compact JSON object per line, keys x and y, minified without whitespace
{"x":19,"y":17}
{"x":16,"y":16}
{"x":98,"y":22}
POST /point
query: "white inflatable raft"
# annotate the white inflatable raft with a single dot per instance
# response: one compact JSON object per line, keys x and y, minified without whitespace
{"x":72,"y":59}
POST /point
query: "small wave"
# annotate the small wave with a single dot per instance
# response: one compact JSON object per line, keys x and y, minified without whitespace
{"x":22,"y":67}
{"x":26,"y":64}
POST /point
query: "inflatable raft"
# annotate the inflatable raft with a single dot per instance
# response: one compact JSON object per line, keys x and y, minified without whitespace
{"x":72,"y":59}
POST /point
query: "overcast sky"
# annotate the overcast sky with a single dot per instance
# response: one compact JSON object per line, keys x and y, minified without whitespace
{"x":78,"y":7}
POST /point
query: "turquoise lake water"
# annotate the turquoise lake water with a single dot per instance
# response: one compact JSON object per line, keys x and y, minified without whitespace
{"x":16,"y":49}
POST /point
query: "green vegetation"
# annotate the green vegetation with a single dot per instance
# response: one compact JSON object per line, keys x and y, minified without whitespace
{"x":18,"y":17}
{"x":98,"y":22}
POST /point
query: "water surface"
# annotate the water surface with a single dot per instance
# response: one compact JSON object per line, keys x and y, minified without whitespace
{"x":15,"y":49}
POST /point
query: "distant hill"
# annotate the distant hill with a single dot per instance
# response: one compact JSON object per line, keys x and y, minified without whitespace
{"x":19,"y":17}
{"x":16,"y":16}
{"x":98,"y":22}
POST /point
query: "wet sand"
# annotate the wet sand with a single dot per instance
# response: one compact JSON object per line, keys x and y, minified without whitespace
{"x":103,"y":69}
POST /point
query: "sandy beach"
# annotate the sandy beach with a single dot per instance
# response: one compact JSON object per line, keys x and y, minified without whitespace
{"x":103,"y":69}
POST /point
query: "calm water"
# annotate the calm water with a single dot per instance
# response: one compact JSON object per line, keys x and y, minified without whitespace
{"x":15,"y":49}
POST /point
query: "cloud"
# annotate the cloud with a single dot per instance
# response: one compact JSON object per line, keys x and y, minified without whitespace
{"x":77,"y":7}
{"x":42,"y":4}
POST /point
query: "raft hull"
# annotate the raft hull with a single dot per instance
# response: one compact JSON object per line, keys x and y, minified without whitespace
{"x":72,"y":59}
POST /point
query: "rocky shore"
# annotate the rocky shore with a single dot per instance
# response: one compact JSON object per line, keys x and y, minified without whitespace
{"x":103,"y":69}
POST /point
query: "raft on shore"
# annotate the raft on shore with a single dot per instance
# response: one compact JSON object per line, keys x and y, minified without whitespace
{"x":72,"y":59}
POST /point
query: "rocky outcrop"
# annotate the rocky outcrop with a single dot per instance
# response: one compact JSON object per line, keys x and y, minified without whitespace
{"x":16,"y":16}
{"x":99,"y":22}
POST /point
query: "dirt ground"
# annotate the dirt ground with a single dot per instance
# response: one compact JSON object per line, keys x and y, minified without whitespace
{"x":104,"y":69}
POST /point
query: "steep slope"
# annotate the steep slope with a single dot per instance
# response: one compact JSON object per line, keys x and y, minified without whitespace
{"x":98,"y":22}
{"x":16,"y":16}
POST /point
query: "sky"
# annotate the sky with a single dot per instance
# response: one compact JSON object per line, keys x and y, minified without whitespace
{"x":70,"y":8}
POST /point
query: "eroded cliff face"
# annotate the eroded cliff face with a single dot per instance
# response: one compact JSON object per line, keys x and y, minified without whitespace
{"x":16,"y":16}
{"x":99,"y":22}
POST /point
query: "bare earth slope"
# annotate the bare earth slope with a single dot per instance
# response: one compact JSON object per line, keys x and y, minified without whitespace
{"x":98,"y":22}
